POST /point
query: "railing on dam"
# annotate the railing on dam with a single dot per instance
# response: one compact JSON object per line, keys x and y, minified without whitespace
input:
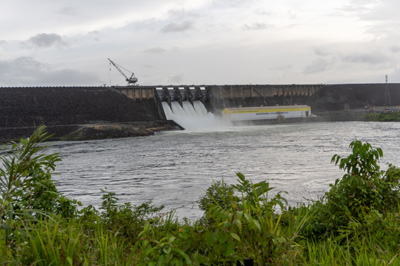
{"x":217,"y":91}
{"x":250,"y":91}
{"x":136,"y":92}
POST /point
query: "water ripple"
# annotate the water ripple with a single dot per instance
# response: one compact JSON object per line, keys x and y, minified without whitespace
{"x":175,"y":168}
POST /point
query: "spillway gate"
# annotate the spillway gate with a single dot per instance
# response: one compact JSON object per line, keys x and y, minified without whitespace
{"x":217,"y":97}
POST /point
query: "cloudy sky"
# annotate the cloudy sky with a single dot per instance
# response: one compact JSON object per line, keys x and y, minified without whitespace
{"x":67,"y":42}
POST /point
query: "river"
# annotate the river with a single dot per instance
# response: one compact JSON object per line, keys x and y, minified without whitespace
{"x":175,"y":168}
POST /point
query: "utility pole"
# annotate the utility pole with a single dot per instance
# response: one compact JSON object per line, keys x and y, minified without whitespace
{"x":388,"y":101}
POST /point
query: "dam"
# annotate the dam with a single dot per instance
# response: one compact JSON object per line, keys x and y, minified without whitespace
{"x":63,"y":108}
{"x":319,"y":96}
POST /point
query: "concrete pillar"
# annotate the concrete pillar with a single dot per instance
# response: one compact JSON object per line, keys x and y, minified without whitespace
{"x":129,"y":93}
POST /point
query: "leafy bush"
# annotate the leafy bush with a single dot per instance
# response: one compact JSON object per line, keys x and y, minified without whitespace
{"x":125,"y":219}
{"x":362,"y":190}
{"x":218,"y":193}
{"x":26,"y":179}
{"x":245,"y":223}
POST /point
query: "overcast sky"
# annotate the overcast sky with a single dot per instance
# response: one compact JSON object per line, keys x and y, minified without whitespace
{"x":67,"y":42}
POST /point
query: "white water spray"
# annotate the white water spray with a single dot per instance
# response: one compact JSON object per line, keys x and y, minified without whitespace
{"x":192,"y":117}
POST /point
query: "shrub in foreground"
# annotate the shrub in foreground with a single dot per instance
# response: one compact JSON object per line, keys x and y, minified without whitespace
{"x":363,"y":191}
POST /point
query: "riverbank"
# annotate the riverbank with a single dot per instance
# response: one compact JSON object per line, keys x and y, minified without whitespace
{"x":341,"y":115}
{"x":91,"y":131}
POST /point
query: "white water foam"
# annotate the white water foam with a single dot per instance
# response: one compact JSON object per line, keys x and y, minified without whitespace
{"x":193,"y":117}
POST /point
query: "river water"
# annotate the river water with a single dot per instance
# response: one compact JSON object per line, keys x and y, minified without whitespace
{"x":175,"y":168}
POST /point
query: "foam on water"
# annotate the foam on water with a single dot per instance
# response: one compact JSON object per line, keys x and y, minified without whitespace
{"x":193,"y":117}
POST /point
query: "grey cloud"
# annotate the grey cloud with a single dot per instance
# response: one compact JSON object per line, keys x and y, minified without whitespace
{"x":381,"y":15}
{"x":177,"y":12}
{"x":177,"y":27}
{"x":70,"y":77}
{"x":282,"y":68}
{"x":176,"y":79}
{"x":355,"y":6}
{"x":155,"y":50}
{"x":39,"y":74}
{"x":265,"y":12}
{"x":317,"y":66}
{"x":44,"y":40}
{"x":23,"y":63}
{"x":395,"y":48}
{"x":69,"y":11}
{"x":182,"y":14}
{"x":396,"y":74}
{"x":321,"y":52}
{"x":256,"y":26}
{"x":232,"y":3}
{"x":373,"y":10}
{"x":374,"y":58}
{"x":144,"y":25}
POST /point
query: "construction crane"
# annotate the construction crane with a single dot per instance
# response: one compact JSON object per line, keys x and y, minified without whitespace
{"x":131,"y":80}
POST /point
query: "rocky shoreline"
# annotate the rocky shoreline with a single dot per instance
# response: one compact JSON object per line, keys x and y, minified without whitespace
{"x":92,"y":131}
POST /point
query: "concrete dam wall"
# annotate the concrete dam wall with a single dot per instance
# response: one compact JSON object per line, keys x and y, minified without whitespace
{"x":319,"y":96}
{"x":21,"y":107}
{"x":62,"y":108}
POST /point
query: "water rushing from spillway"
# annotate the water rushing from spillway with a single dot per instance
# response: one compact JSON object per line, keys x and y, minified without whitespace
{"x":175,"y":168}
{"x":193,"y":116}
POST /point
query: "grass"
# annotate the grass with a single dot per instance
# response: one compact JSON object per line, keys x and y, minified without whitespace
{"x":265,"y":237}
{"x":383,"y":117}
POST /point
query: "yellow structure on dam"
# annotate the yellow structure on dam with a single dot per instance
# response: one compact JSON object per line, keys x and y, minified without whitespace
{"x":267,"y":112}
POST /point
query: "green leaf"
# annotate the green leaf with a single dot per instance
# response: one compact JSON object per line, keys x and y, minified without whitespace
{"x":235,"y":236}
{"x":171,"y":239}
{"x":209,"y":238}
{"x":228,"y":250}
{"x":238,"y":223}
{"x":167,"y":249}
{"x":183,"y":255}
{"x":241,"y":176}
{"x":161,"y":260}
{"x":223,"y":237}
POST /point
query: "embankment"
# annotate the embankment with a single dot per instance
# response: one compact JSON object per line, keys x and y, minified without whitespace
{"x":76,"y":113}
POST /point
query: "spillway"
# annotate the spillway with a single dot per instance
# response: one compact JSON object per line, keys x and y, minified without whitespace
{"x":189,"y":116}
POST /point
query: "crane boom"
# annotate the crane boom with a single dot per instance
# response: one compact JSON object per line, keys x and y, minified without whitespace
{"x":131,"y":80}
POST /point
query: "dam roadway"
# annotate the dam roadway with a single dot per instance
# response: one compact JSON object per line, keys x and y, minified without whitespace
{"x":123,"y":111}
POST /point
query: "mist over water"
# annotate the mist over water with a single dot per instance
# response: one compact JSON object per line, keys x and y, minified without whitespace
{"x":194,"y":117}
{"x":175,"y":168}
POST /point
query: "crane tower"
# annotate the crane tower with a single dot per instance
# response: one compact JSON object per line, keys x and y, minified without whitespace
{"x":132,"y":80}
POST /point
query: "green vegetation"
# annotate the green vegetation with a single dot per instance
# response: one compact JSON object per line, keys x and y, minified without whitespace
{"x":383,"y":117}
{"x":355,"y":223}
